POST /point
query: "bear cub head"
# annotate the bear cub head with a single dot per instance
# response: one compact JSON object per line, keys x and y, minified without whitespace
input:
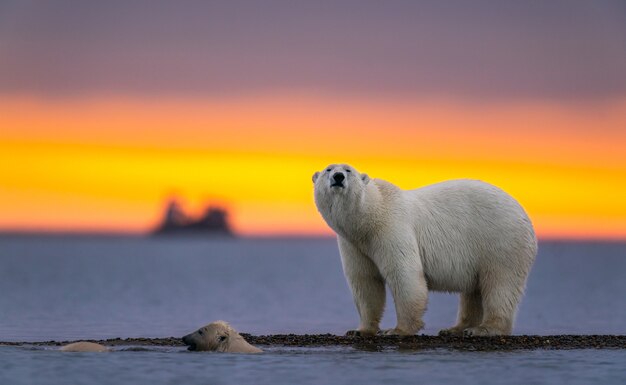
{"x":218,"y":336}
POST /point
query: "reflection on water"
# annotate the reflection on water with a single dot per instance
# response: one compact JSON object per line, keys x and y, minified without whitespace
{"x":311,"y":366}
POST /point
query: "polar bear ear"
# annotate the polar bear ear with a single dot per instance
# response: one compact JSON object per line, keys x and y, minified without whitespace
{"x":365,"y":178}
{"x":315,"y":176}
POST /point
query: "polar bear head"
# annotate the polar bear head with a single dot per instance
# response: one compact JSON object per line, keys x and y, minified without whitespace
{"x":342,"y":194}
{"x":339,"y":179}
{"x":218,"y":336}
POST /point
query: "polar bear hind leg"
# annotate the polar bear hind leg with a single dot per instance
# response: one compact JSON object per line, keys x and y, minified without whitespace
{"x":470,"y":314}
{"x":500,"y":295}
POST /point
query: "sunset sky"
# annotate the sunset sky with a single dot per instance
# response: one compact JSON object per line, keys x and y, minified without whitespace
{"x":109,"y":108}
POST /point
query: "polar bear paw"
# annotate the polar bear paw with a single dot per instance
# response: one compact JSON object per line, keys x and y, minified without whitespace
{"x":395,"y":332}
{"x":481,"y":331}
{"x":453,"y":331}
{"x":361,"y":333}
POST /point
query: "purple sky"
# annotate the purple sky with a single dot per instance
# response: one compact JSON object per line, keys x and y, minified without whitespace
{"x":477,"y":50}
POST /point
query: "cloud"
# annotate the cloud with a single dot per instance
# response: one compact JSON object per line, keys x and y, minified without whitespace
{"x":475,"y":50}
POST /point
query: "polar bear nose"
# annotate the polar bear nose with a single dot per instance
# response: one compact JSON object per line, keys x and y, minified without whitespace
{"x":338,"y":177}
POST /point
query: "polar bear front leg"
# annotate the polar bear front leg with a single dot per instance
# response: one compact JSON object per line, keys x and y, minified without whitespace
{"x":367,"y":286}
{"x":404,"y":275}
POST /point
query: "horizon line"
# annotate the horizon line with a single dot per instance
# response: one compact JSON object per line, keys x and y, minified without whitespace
{"x":4,"y":233}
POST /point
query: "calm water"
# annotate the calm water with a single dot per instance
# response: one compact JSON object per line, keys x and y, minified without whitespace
{"x":72,"y":288}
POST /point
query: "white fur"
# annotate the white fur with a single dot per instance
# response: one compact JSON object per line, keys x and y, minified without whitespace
{"x":84,"y":346}
{"x":462,"y":236}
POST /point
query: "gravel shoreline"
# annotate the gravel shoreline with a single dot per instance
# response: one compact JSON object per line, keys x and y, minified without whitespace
{"x":377,"y":343}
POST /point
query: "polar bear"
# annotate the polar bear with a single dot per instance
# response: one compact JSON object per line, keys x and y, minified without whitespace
{"x":218,"y":336}
{"x":84,"y":346}
{"x":462,"y":236}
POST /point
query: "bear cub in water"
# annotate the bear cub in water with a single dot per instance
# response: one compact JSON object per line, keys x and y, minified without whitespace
{"x":218,"y":336}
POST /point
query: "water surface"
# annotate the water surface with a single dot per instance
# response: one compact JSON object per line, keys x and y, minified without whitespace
{"x":67,"y":288}
{"x":313,"y":366}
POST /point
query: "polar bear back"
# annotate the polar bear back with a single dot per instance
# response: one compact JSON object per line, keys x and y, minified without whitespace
{"x":466,"y":228}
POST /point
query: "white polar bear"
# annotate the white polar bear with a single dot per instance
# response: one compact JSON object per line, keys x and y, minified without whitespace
{"x":460,"y":236}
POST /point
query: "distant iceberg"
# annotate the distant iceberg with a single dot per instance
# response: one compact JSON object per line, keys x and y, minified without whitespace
{"x":175,"y":221}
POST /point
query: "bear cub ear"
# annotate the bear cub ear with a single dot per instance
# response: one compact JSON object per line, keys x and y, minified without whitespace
{"x":365,"y":178}
{"x":315,"y":176}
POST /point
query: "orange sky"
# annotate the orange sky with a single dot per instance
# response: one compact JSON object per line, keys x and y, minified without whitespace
{"x":109,"y":163}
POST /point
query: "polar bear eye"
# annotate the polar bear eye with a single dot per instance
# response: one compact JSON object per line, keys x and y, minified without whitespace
{"x":348,"y":170}
{"x":327,"y":170}
{"x":222,"y":338}
{"x":200,"y":332}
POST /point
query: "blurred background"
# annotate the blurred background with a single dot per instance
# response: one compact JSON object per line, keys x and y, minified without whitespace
{"x":111,"y":110}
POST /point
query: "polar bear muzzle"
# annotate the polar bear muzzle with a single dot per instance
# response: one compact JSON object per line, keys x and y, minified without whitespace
{"x":338,"y":179}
